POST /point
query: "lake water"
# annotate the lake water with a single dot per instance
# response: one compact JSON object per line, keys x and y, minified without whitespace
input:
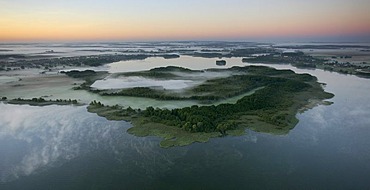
{"x":65,"y":147}
{"x":195,"y":63}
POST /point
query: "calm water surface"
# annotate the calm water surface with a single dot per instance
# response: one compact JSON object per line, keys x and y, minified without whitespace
{"x":195,"y":63}
{"x":64,"y":147}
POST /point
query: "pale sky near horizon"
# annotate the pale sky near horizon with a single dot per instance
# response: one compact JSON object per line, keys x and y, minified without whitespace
{"x":182,"y":19}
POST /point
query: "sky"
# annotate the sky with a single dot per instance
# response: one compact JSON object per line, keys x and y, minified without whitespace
{"x":154,"y":20}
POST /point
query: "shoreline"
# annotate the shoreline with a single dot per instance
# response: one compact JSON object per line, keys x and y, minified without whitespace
{"x":277,"y":118}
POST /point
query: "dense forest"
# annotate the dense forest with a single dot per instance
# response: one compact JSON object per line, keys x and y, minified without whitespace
{"x":265,"y":103}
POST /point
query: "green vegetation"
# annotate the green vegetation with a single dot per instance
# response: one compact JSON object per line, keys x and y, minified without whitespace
{"x":42,"y":102}
{"x":251,"y":51}
{"x":144,"y":126}
{"x":301,"y":60}
{"x":298,"y":59}
{"x":157,"y":73}
{"x":43,"y":61}
{"x":50,"y":62}
{"x":89,"y":76}
{"x":80,"y":74}
{"x":220,"y":62}
{"x":7,"y":56}
{"x":145,"y":92}
{"x":363,"y":73}
{"x":169,"y":56}
{"x":245,"y":52}
{"x":242,"y":80}
{"x":270,"y":109}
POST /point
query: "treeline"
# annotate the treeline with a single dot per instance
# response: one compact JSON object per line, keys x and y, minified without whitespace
{"x":244,"y":80}
{"x":79,"y":74}
{"x":270,"y":104}
{"x":115,"y":110}
{"x":299,"y":59}
{"x":151,"y":74}
{"x":43,"y":100}
{"x":93,"y":60}
{"x":16,"y":56}
{"x":265,"y":103}
{"x":169,"y":56}
{"x":227,"y":87}
{"x":172,"y":69}
{"x":146,"y":92}
{"x":89,"y":76}
{"x":160,"y":72}
{"x":251,"y":51}
{"x":233,"y":53}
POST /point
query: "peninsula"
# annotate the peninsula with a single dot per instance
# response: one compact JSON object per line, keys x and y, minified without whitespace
{"x":270,"y":109}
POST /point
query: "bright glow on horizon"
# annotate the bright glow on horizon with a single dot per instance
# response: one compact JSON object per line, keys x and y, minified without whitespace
{"x":24,"y":20}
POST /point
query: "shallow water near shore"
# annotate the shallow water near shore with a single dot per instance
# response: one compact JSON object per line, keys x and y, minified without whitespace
{"x":65,"y":147}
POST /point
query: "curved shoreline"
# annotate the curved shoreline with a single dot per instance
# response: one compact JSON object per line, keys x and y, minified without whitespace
{"x":268,"y":109}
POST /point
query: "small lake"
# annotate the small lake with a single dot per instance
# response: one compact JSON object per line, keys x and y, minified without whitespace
{"x":65,"y":147}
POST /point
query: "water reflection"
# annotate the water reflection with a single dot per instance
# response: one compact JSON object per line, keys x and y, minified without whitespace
{"x":33,"y":139}
{"x":61,"y":145}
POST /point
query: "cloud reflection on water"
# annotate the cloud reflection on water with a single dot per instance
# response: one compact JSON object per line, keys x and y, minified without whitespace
{"x":50,"y":134}
{"x":33,"y":139}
